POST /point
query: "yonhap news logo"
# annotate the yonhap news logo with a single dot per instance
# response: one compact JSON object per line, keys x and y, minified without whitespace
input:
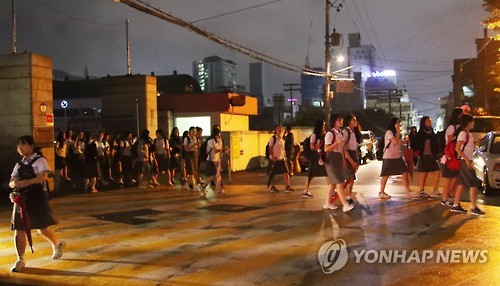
{"x":333,"y":256}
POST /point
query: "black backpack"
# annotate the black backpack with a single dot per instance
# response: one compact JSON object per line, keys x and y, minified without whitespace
{"x":203,"y":150}
{"x":306,"y":147}
{"x":134,"y":150}
{"x":268,"y":149}
{"x":380,"y":148}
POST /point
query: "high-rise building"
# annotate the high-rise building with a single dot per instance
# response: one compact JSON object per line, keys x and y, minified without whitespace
{"x":215,"y":74}
{"x":257,"y":83}
{"x":312,"y":88}
{"x":360,"y":57}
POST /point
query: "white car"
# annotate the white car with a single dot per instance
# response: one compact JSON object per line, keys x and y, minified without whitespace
{"x":487,"y":162}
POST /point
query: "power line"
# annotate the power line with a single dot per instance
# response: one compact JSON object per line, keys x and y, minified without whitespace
{"x":235,"y":11}
{"x":74,"y":17}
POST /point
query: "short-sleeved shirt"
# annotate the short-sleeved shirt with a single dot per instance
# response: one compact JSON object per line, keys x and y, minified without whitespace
{"x":330,"y":138}
{"x":352,"y":144}
{"x":450,"y":131}
{"x":393,"y":151}
{"x":212,"y":145}
{"x":125,"y":146}
{"x":161,"y":146}
{"x":469,"y":146}
{"x":80,"y":147}
{"x":189,"y":142}
{"x":314,"y":140}
{"x":276,"y":147}
{"x":39,"y":166}
{"x":101,"y":147}
{"x":61,"y":149}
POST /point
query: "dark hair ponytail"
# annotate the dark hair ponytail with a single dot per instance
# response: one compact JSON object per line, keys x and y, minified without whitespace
{"x":28,"y":139}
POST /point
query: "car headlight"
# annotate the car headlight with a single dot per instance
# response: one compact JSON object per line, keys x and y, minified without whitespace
{"x":496,"y":167}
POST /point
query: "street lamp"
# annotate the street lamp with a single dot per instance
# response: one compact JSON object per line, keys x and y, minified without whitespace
{"x":340,"y":59}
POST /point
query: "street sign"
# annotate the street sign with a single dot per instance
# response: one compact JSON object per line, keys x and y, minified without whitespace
{"x":64,"y":104}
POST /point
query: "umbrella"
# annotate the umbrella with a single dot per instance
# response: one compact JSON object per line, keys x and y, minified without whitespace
{"x":20,"y":200}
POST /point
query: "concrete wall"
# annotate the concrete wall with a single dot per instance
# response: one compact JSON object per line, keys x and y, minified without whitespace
{"x":25,"y":85}
{"x":119,"y":103}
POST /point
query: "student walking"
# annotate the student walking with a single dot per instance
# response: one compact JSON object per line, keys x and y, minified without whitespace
{"x":28,"y":179}
{"x":91,"y":166}
{"x":393,"y":162}
{"x":289,"y":145}
{"x":336,"y":165}
{"x":103,"y":158}
{"x":126,"y":158}
{"x":277,"y":158}
{"x":143,"y":163}
{"x":192,"y":145}
{"x":426,"y":145}
{"x":175,"y":143}
{"x":467,"y":176}
{"x":214,"y":153}
{"x":351,"y":153}
{"x":316,"y":165}
{"x":60,"y":155}
{"x":162,"y":155}
{"x":449,"y":176}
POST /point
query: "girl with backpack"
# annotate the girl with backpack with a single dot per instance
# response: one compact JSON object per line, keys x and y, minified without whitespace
{"x":214,"y":150}
{"x":27,"y":179}
{"x":336,"y":165}
{"x":315,"y":166}
{"x":91,"y":165}
{"x":467,"y":175}
{"x":276,"y":147}
{"x":393,"y":162}
{"x":426,"y":145}
{"x":175,"y":143}
{"x":450,"y":176}
{"x":351,"y":153}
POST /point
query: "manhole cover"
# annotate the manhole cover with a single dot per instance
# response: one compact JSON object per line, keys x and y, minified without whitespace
{"x":230,"y":208}
{"x":129,"y":217}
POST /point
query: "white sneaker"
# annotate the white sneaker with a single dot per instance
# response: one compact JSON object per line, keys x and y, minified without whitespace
{"x":435,"y":194}
{"x":330,"y":207}
{"x":198,"y":188}
{"x":412,"y":195}
{"x":18,"y":266}
{"x":347,"y":208}
{"x":58,"y":250}
{"x":221,"y":192}
{"x":383,"y":196}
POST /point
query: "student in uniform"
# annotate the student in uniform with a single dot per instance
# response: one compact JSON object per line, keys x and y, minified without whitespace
{"x":276,"y":147}
{"x":426,"y":144}
{"x":115,"y":158}
{"x":351,"y":153}
{"x":126,"y":158}
{"x":449,"y":176}
{"x":393,"y":162}
{"x":28,"y":179}
{"x":60,"y":155}
{"x":315,"y":166}
{"x":214,"y":151}
{"x":91,"y":165}
{"x":467,"y":176}
{"x":142,"y":163}
{"x":199,"y":137}
{"x":77,"y":158}
{"x":175,"y":143}
{"x":162,"y":154}
{"x":192,"y":145}
{"x":103,"y":158}
{"x":336,"y":165}
{"x":70,"y":148}
{"x":289,"y":143}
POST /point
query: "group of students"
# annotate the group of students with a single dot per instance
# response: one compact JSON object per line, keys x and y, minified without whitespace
{"x":334,"y":155}
{"x":129,"y":160}
{"x":450,"y":160}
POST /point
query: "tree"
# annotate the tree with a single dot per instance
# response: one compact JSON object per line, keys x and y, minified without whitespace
{"x":493,"y":23}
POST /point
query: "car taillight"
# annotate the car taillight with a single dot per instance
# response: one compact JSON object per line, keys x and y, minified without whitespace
{"x":497,"y":167}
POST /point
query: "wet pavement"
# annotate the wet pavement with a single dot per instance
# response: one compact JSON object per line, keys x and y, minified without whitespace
{"x":172,"y":236}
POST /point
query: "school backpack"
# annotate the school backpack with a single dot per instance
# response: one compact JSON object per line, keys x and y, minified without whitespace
{"x":134,"y":150}
{"x":381,"y":148}
{"x":452,"y":160}
{"x":306,"y":147}
{"x":268,"y":148}
{"x":203,"y":150}
{"x":90,"y":152}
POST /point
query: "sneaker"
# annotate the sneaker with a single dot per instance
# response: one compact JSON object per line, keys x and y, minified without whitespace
{"x":458,"y":209}
{"x":191,"y":187}
{"x":220,"y":192}
{"x":445,"y":203}
{"x":273,"y":189}
{"x":288,"y":189}
{"x":18,"y":266}
{"x":423,"y":194}
{"x":58,"y":250}
{"x":347,"y":208}
{"x":199,"y":188}
{"x":307,"y":195}
{"x":383,"y":196}
{"x":330,"y":207}
{"x":350,"y":201}
{"x":413,"y":195}
{"x":477,"y":211}
{"x":94,"y":190}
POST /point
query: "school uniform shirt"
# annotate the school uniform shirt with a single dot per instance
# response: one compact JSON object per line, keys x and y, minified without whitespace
{"x":393,"y":151}
{"x":61,"y":150}
{"x":450,"y":131}
{"x":142,"y":150}
{"x":161,"y":146}
{"x":330,"y":138}
{"x":125,"y":146}
{"x":352,"y":144}
{"x":80,"y":147}
{"x":276,"y":147}
{"x":469,"y":146}
{"x":212,"y":145}
{"x":40,"y":166}
{"x":314,"y":140}
{"x":101,"y":147}
{"x":189,"y":144}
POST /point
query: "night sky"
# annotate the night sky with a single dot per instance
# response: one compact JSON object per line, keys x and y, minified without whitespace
{"x":419,"y":39}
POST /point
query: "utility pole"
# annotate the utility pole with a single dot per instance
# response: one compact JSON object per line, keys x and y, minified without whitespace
{"x":129,"y":72}
{"x":14,"y":28}
{"x":327,"y":59}
{"x":291,"y":87}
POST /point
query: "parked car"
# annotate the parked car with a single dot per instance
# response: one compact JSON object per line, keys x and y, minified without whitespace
{"x":483,"y":125}
{"x":368,"y":146}
{"x":487,"y":162}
